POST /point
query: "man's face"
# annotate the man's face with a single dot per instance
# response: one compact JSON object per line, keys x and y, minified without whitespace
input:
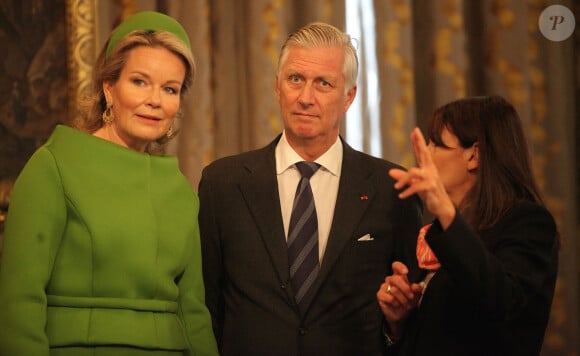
{"x":312,"y":95}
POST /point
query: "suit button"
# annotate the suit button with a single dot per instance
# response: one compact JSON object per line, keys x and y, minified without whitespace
{"x":283,"y":286}
{"x":302,"y":331}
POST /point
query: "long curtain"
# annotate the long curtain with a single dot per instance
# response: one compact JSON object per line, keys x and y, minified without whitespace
{"x":428,"y":52}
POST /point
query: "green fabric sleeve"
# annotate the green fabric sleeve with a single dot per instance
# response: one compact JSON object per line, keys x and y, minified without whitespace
{"x":34,"y":228}
{"x":192,"y":308}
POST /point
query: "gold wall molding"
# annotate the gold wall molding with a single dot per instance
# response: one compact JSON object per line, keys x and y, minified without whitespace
{"x":81,"y":52}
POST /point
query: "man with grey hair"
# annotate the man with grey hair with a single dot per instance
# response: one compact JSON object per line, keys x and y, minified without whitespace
{"x":297,"y":236}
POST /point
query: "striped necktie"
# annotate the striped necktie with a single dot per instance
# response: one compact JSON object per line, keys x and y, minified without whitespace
{"x":303,"y":235}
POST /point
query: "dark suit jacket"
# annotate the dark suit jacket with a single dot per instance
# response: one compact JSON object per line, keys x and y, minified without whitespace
{"x":492,"y":295}
{"x":245,"y":260}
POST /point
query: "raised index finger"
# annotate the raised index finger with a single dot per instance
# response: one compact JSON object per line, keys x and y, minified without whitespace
{"x":420,"y":148}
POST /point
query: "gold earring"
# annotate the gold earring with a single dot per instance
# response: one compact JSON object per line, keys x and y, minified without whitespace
{"x":107,"y":115}
{"x":178,"y":115}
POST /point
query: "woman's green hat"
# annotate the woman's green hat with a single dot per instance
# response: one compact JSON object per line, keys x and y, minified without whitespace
{"x":149,"y":21}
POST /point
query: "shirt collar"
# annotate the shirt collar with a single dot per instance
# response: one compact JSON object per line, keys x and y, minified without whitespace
{"x":286,"y":157}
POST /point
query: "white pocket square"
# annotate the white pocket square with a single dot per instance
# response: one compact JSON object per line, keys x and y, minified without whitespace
{"x":366,"y":237}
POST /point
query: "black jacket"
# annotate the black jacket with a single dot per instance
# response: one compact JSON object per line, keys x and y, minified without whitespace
{"x":246,"y":265}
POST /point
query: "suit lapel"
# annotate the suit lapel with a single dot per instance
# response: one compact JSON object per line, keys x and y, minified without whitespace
{"x":260,"y":191}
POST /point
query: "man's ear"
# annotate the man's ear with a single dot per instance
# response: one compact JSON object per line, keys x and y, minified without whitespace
{"x":473,"y":157}
{"x":350,"y":95}
{"x":277,"y":87}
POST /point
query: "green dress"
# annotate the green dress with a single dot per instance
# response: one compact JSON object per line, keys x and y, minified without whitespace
{"x":102,"y":255}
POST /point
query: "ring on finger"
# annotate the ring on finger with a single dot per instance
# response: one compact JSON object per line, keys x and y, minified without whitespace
{"x":389,"y":289}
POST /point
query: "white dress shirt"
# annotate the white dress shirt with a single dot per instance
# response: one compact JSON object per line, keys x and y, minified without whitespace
{"x":324,"y":184}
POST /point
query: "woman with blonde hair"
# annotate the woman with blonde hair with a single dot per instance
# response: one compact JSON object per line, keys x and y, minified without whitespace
{"x":102,"y":253}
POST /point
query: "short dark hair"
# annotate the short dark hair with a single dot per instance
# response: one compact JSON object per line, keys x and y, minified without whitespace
{"x":505,"y":174}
